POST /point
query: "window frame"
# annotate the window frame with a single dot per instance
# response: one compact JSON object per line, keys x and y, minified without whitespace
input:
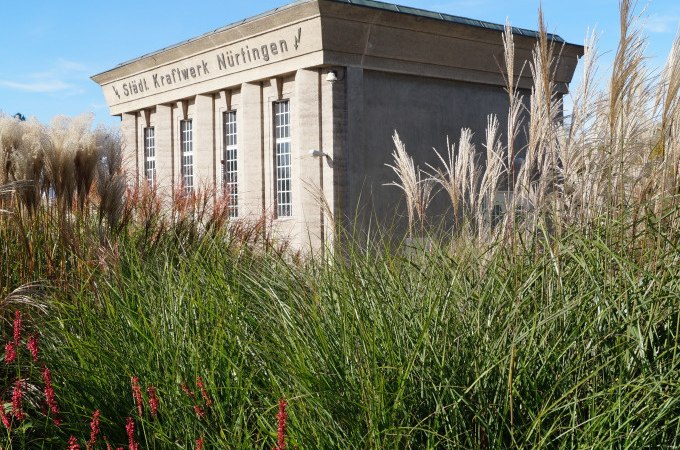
{"x":149,"y":134}
{"x":186,"y":141}
{"x":229,"y":175}
{"x":283,"y":159}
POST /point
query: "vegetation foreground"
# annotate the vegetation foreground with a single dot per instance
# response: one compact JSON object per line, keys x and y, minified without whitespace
{"x":427,"y":351}
{"x":133,"y":323}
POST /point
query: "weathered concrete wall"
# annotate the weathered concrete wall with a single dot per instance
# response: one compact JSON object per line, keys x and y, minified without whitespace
{"x":425,"y":112}
{"x":423,"y":77}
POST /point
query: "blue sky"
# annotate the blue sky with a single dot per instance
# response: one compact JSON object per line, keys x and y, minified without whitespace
{"x":50,"y":49}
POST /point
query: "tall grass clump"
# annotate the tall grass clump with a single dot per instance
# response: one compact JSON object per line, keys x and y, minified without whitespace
{"x":65,"y":200}
{"x":614,"y":158}
{"x":374,"y":350}
{"x":52,"y":170}
{"x":168,"y":326}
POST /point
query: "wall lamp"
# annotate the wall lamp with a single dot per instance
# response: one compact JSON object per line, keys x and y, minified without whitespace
{"x":320,"y":154}
{"x":333,"y":76}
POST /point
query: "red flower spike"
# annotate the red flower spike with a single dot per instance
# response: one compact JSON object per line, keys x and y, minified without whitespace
{"x":73,"y":444}
{"x":282,"y":417}
{"x":199,"y":443}
{"x":130,"y":429}
{"x":5,"y":418}
{"x":17,"y":396}
{"x":10,"y":353}
{"x":188,"y":391}
{"x":49,"y":395}
{"x":33,"y":347}
{"x":94,"y":426}
{"x":108,"y":444}
{"x":153,"y":400}
{"x":137,"y":395}
{"x":204,"y":393}
{"x":200,"y":412}
{"x":17,"y":327}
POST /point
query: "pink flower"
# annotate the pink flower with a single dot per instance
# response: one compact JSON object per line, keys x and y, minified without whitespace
{"x":200,"y":412}
{"x":49,"y":395}
{"x":73,"y":444}
{"x":137,"y":395}
{"x":199,"y":443}
{"x":130,"y":429}
{"x":10,"y":353}
{"x":188,"y":391}
{"x":94,"y":426}
{"x":33,"y":347}
{"x":282,"y":417}
{"x":5,"y":419}
{"x":17,"y":396}
{"x":17,"y":327}
{"x":153,"y":400}
{"x":204,"y":393}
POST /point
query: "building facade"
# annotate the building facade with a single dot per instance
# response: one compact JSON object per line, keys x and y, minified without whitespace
{"x":292,"y":112}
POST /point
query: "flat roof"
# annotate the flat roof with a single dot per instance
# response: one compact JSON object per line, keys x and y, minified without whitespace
{"x":373,"y":4}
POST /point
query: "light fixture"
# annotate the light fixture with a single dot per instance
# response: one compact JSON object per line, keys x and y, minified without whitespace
{"x":332,"y":76}
{"x":320,"y":154}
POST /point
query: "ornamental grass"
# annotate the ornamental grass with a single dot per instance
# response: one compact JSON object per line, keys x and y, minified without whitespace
{"x":555,"y":326}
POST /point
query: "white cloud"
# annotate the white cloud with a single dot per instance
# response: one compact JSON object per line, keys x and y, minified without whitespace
{"x":37,"y":86}
{"x":64,"y":77}
{"x":71,"y":66}
{"x":657,"y":23}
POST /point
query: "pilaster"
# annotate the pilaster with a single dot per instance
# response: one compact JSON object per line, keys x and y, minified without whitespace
{"x":165,"y":167}
{"x":204,"y":141}
{"x":307,"y":172}
{"x":128,"y":128}
{"x":251,"y":152}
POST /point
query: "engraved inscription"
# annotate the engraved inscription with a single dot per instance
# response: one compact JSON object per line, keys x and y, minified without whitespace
{"x":228,"y":59}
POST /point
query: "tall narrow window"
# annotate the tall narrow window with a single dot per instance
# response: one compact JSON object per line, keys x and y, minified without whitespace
{"x":187,"y":147}
{"x":150,"y":155}
{"x":230,"y":162}
{"x":284,"y":201}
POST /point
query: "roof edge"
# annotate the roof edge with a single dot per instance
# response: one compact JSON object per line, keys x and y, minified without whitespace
{"x":372,"y":4}
{"x":203,"y":35}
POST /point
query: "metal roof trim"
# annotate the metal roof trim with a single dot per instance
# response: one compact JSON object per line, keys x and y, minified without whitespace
{"x":419,"y":12}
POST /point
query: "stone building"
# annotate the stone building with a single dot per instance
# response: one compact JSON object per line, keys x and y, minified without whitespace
{"x":295,"y":108}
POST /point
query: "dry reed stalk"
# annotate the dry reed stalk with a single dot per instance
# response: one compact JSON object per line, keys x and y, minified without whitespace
{"x":10,"y":141}
{"x":536,"y":177}
{"x":458,"y":176}
{"x":29,"y":162}
{"x":515,"y":101}
{"x":405,"y":170}
{"x":668,"y":101}
{"x":111,"y":180}
{"x":618,"y":154}
{"x":576,"y":139}
{"x":490,"y":179}
{"x":627,"y":117}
